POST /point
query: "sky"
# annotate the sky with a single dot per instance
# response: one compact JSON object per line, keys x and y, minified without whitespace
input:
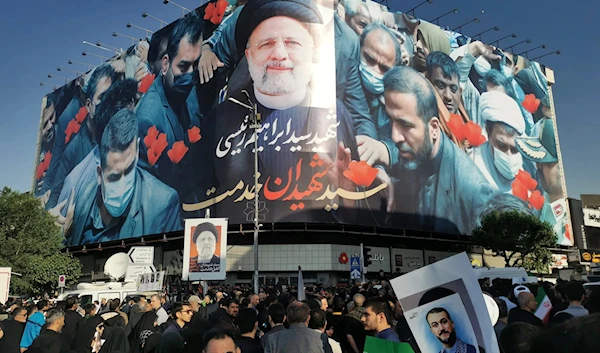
{"x":39,"y":36}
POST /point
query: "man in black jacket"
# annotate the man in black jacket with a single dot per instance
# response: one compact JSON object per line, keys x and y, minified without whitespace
{"x":247,"y":321}
{"x":49,"y":339}
{"x":72,"y":319}
{"x":13,"y":331}
{"x":527,"y":306}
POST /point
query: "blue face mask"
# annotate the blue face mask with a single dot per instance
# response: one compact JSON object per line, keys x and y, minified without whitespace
{"x":116,"y":195}
{"x":183,"y":84}
{"x":372,"y":81}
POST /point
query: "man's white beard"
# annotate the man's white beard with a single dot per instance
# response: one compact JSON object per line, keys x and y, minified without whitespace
{"x":281,"y":90}
{"x":205,"y":255}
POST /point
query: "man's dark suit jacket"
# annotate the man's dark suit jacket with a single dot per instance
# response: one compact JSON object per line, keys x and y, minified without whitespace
{"x":155,"y":110}
{"x":461,"y":192}
{"x":154,"y":209}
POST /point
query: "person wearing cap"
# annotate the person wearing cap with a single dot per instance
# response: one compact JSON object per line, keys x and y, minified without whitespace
{"x":279,"y":44}
{"x":197,"y":306}
{"x":498,"y":158}
{"x":543,"y":152}
{"x":206,"y":238}
{"x":229,"y":48}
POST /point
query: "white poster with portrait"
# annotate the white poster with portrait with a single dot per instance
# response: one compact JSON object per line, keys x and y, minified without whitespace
{"x":205,"y":249}
{"x":445,"y":308}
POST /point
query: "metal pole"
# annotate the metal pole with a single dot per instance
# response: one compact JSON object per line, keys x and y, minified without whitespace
{"x":362,"y":263}
{"x":256,"y":225}
{"x":203,"y":283}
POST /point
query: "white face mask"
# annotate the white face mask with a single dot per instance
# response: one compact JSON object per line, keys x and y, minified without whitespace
{"x":508,"y":166}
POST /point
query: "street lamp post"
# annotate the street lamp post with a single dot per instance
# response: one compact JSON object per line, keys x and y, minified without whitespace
{"x":557,"y":52}
{"x":496,"y":42}
{"x":256,"y":125}
{"x":57,"y":76}
{"x":162,"y":23}
{"x":183,"y":9}
{"x":437,"y":19}
{"x":419,"y":5}
{"x":459,"y":28}
{"x":528,"y":41}
{"x":129,"y":25}
{"x":495,"y":28}
{"x":117,"y":34}
{"x":102,"y":58}
{"x":90,"y":66}
{"x":543,"y":46}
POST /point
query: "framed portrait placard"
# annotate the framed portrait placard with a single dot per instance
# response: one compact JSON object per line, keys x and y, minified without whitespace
{"x":205,"y":249}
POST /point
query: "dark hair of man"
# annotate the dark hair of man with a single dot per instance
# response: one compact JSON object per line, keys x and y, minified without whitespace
{"x":444,"y":62}
{"x":380,"y":27}
{"x":177,"y":307}
{"x":297,"y":312}
{"x":118,"y":96}
{"x":574,"y":291}
{"x":205,"y":227}
{"x":224,"y":302}
{"x":270,"y":300}
{"x":435,"y":294}
{"x":380,"y":305}
{"x":313,"y":303}
{"x":70,"y":302}
{"x":318,"y":319}
{"x":497,"y":78}
{"x":41,"y":304}
{"x":30,"y":309}
{"x":277,"y":313}
{"x":159,"y":42}
{"x":518,"y":337}
{"x":330,"y":290}
{"x":502,"y":308}
{"x":438,"y":311}
{"x":338,"y":304}
{"x":407,"y":80}
{"x":245,"y":302}
{"x":233,"y":301}
{"x":489,"y":126}
{"x":16,"y":311}
{"x":89,"y":308}
{"x":246,"y":320}
{"x":114,"y":304}
{"x":217,"y":334}
{"x":102,"y":71}
{"x":120,"y":132}
{"x":190,"y":26}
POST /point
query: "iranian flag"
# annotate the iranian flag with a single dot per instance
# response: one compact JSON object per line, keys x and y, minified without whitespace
{"x":544,"y":306}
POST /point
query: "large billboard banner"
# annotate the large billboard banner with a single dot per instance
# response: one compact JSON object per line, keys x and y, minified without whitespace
{"x":355,"y":114}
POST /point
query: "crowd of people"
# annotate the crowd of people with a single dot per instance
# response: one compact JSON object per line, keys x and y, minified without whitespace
{"x":336,"y":320}
{"x":451,"y":127}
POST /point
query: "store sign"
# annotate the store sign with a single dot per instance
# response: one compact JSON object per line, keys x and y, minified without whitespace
{"x":589,"y":256}
{"x":377,"y":257}
{"x":559,"y":261}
